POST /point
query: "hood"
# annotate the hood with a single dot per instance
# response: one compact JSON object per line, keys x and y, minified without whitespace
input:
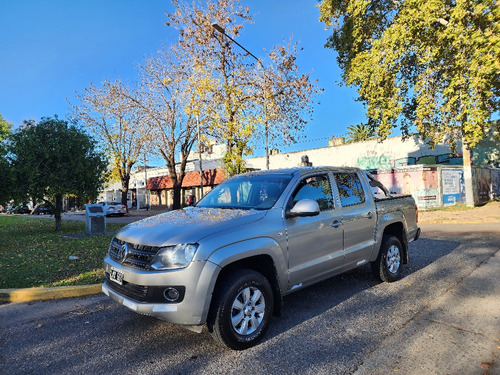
{"x":189,"y":225}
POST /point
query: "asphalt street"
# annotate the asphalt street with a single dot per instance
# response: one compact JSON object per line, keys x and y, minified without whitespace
{"x":442,"y":317}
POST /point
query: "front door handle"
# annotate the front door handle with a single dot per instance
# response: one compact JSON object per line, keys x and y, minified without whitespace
{"x":336,"y":224}
{"x":368,"y":215}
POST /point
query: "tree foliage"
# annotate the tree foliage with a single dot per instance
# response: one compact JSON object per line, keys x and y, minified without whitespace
{"x":434,"y":64}
{"x":164,"y":101}
{"x":245,"y":95}
{"x":359,"y":133}
{"x":5,"y":170}
{"x":5,"y":127}
{"x":116,"y":124}
{"x":52,"y":159}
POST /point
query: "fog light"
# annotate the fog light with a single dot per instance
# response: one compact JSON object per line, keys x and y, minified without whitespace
{"x":171,"y":294}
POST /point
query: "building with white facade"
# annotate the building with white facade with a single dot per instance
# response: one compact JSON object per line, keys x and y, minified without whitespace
{"x":433,"y":176}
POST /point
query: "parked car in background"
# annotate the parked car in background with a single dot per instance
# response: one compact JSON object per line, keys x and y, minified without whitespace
{"x":42,"y":209}
{"x":113,"y":208}
{"x":21,"y":209}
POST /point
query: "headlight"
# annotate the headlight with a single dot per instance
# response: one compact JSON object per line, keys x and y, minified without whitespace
{"x":173,"y":257}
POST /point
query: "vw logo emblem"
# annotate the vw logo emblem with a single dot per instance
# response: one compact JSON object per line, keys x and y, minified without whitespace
{"x":123,"y":253}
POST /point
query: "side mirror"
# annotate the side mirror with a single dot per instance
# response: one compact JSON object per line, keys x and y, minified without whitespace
{"x":304,"y":207}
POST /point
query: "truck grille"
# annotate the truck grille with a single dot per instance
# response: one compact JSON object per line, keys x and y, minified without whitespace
{"x":141,"y":293}
{"x":135,"y":292}
{"x":137,"y":256}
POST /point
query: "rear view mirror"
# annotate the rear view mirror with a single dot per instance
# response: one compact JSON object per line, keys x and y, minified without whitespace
{"x":304,"y":207}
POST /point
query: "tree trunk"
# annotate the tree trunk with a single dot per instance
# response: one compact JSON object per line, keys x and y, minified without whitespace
{"x":469,"y":192}
{"x":124,"y":200}
{"x":125,"y":182}
{"x":177,"y":195}
{"x":58,"y":212}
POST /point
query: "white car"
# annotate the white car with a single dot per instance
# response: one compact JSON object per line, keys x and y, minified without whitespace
{"x":113,"y":208}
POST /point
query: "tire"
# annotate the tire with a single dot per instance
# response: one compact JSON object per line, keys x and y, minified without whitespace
{"x":388,"y":265}
{"x":242,"y":309}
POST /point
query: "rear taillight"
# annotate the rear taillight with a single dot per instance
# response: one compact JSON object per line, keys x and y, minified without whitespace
{"x":416,"y":213}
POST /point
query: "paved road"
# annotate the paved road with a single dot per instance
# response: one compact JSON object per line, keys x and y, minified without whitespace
{"x":346,"y":324}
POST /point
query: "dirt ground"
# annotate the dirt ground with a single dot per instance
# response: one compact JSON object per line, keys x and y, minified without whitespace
{"x":489,"y":213}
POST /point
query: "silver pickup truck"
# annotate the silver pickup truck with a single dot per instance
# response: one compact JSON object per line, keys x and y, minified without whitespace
{"x":228,"y":260}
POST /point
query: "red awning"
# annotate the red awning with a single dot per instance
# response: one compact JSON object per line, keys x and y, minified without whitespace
{"x":211,"y":177}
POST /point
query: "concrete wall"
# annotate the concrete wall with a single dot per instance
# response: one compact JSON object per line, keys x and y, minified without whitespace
{"x":392,"y":153}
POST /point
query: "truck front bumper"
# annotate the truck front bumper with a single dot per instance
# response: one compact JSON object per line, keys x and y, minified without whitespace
{"x":164,"y":311}
{"x":192,"y":310}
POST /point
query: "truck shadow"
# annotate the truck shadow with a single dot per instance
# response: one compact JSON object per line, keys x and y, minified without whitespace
{"x":313,"y":301}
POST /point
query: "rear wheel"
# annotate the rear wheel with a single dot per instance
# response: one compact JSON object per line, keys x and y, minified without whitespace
{"x":242,"y":310}
{"x":388,"y":265}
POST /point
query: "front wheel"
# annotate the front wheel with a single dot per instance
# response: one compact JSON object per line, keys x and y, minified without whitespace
{"x":387,"y":266}
{"x":242,"y":310}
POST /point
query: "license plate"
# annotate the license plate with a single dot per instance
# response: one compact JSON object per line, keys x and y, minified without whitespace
{"x":116,"y":275}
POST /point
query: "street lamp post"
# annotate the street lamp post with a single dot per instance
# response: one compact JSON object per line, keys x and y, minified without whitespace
{"x":223,"y":32}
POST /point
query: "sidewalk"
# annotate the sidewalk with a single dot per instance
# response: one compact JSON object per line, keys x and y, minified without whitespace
{"x":458,"y":334}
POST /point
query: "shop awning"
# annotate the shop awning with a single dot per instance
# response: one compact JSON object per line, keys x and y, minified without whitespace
{"x":211,"y":177}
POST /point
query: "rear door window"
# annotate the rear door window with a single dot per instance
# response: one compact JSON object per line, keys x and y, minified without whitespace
{"x":350,"y":189}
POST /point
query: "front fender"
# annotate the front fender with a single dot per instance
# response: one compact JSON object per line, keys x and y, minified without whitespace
{"x":237,"y":251}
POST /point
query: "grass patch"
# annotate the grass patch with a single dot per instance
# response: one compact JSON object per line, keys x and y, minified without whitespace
{"x":460,"y":207}
{"x":33,"y":254}
{"x":457,"y":207}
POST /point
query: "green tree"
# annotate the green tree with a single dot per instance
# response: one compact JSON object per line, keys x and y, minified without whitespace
{"x":433,"y":64}
{"x":5,"y":170}
{"x":359,"y":133}
{"x":52,"y":159}
{"x":5,"y":127}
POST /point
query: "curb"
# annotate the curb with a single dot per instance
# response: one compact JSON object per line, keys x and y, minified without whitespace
{"x":39,"y":294}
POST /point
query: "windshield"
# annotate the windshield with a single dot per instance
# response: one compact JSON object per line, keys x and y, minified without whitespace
{"x":247,"y":192}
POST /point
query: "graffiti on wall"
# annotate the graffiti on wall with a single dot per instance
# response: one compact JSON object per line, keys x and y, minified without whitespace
{"x":385,"y":162}
{"x":487,"y":156}
{"x":374,"y":162}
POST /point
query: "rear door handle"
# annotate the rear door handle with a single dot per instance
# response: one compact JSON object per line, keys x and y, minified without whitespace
{"x":336,"y":224}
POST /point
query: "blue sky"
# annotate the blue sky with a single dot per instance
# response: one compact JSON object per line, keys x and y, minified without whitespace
{"x":50,"y":49}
